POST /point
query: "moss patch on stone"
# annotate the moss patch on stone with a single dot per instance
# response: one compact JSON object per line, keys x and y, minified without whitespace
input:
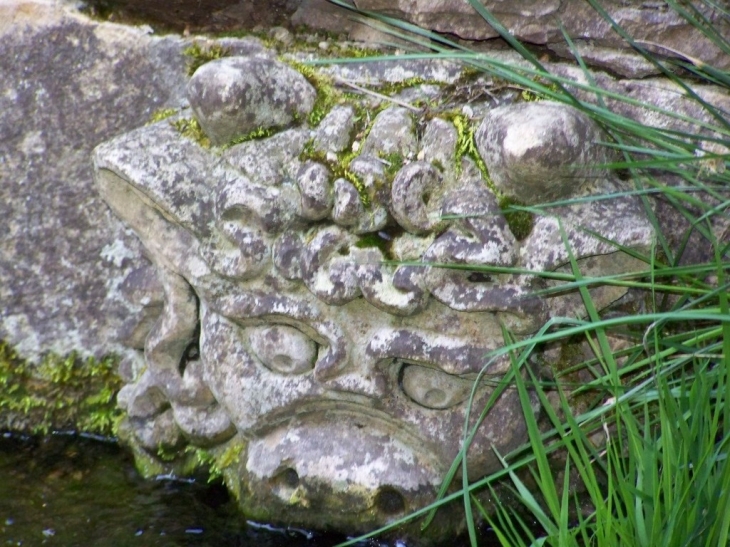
{"x":190,"y":128}
{"x":520,"y":222}
{"x":161,"y":114}
{"x":214,"y":463}
{"x":340,"y":168}
{"x":391,"y":88}
{"x":531,"y":96}
{"x":199,"y":55}
{"x":327,"y":95}
{"x":393,"y":162}
{"x":59,"y":393}
{"x":256,"y":134}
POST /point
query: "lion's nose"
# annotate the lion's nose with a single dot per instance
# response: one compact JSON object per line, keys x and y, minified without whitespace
{"x":343,"y":465}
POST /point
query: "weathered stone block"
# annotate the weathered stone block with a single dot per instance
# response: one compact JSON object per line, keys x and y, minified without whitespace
{"x":339,"y":380}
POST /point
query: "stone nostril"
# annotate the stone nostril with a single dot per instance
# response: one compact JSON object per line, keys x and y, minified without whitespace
{"x":389,"y":501}
{"x":289,"y":478}
{"x":285,"y":486}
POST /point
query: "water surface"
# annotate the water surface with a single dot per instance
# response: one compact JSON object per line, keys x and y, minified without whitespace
{"x":68,"y":491}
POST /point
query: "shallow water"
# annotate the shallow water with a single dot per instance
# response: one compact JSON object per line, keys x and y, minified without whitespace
{"x":69,"y":491}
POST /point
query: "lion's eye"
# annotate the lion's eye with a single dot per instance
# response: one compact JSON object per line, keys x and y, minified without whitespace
{"x":433,"y":388}
{"x":283,"y":349}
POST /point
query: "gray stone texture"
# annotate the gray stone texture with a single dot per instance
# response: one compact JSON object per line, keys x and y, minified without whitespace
{"x":67,"y":85}
{"x":542,"y":151}
{"x":652,"y":24}
{"x":303,"y":328}
{"x":234,"y":96}
{"x":249,"y":286}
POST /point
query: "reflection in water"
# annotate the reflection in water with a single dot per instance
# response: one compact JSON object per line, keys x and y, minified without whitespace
{"x":68,"y":491}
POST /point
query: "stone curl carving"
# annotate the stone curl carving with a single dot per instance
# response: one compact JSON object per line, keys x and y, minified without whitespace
{"x":292,"y":335}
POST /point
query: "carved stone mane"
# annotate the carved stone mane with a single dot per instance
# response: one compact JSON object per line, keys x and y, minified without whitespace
{"x":308,"y":325}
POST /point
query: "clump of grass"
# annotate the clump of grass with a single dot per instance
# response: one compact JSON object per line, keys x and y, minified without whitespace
{"x":648,"y":443}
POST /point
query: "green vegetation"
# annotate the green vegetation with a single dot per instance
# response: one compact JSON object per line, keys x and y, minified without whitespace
{"x":340,"y":168}
{"x":327,"y":95}
{"x":190,"y":128}
{"x":643,"y":430}
{"x":161,"y":114}
{"x":199,"y":55}
{"x":392,"y":88}
{"x":58,"y":393}
{"x":393,"y":162}
{"x":519,"y":220}
{"x":258,"y":133}
{"x":373,"y":240}
{"x":530,"y":96}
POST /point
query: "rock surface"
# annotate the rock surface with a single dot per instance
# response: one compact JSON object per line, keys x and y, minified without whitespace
{"x":541,"y":152}
{"x":249,"y":288}
{"x":654,"y":25}
{"x":287,"y":339}
{"x":234,"y":96}
{"x":69,"y":84}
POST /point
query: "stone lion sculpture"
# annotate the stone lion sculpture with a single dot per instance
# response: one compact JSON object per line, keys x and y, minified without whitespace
{"x":314,"y":338}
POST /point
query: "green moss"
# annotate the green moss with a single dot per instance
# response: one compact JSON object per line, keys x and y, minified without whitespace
{"x":352,"y":52}
{"x":190,"y":128}
{"x":530,"y":96}
{"x":199,"y":55}
{"x":161,"y":114}
{"x":469,"y":74}
{"x":213,"y":462}
{"x":393,"y":162}
{"x":58,"y":393}
{"x":327,"y":95}
{"x":256,"y":134}
{"x":374,"y":240}
{"x":466,"y":144}
{"x":216,"y":460}
{"x":391,"y":88}
{"x":520,"y":222}
{"x":438,"y":164}
{"x":340,"y":168}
